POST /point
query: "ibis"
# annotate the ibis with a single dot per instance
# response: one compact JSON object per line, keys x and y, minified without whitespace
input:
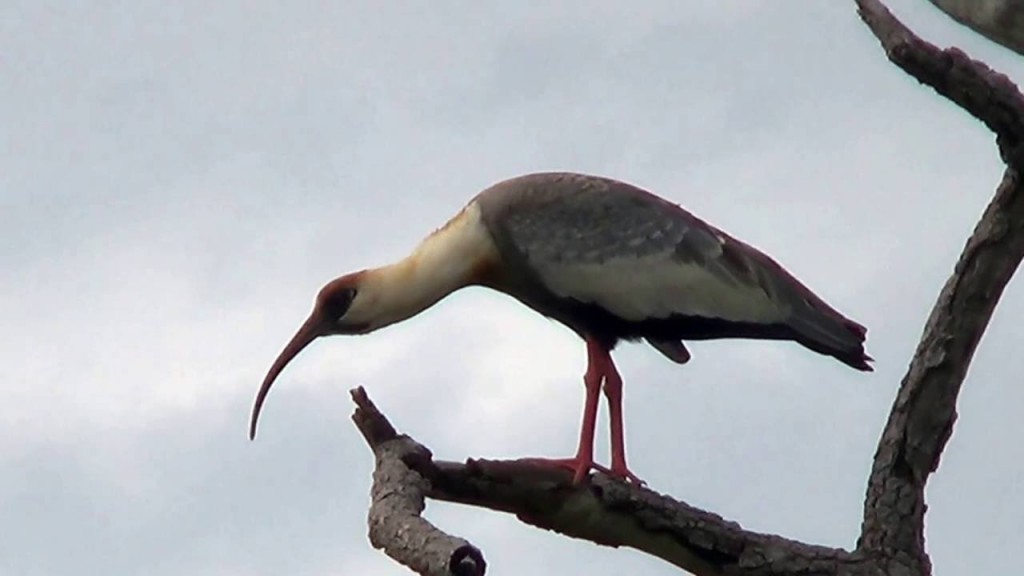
{"x":608,"y":260}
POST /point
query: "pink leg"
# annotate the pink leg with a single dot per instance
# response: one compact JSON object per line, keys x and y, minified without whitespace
{"x":600,"y":368}
{"x":584,"y":459}
{"x":613,"y":392}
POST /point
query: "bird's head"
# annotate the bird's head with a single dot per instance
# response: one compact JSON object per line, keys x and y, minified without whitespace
{"x":364,"y":301}
{"x":346,"y":305}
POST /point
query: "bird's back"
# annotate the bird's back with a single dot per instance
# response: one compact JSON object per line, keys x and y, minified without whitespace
{"x":613,"y":261}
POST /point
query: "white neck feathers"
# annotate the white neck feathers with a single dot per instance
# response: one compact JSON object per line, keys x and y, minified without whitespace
{"x":454,"y":256}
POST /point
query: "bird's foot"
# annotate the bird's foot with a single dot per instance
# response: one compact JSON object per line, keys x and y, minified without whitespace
{"x":623,"y":473}
{"x":580,"y":468}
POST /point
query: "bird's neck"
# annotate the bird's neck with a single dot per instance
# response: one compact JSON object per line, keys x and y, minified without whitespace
{"x":454,"y":256}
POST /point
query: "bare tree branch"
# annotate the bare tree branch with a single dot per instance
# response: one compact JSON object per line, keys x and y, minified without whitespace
{"x":398,"y":499}
{"x":1001,"y":21}
{"x":985,"y":94}
{"x":613,"y":513}
{"x":922,"y":417}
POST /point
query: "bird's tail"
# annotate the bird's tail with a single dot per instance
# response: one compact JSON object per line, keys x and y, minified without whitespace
{"x":822,"y":329}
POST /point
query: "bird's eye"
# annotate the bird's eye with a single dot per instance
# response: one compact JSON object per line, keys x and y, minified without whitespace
{"x":336,"y":305}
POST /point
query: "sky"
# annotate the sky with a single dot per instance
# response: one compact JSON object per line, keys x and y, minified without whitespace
{"x":178,"y":180}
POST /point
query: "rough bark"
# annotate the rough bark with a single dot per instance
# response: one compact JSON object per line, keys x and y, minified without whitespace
{"x":614,"y":513}
{"x":397,"y":500}
{"x":922,"y":418}
{"x":1001,"y":21}
{"x":923,"y":415}
{"x":605,"y":511}
{"x":987,"y":95}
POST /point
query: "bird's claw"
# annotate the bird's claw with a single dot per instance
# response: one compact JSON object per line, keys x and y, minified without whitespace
{"x":627,"y":476}
{"x":581,"y":468}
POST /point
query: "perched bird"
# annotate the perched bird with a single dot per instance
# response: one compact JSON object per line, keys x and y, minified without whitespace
{"x":608,"y":260}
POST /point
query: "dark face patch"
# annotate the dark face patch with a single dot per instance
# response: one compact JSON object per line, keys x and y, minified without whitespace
{"x":335,"y":304}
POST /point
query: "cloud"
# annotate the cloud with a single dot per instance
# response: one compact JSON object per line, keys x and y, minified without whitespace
{"x":183,"y":178}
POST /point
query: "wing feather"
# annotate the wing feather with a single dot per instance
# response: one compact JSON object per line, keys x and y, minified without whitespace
{"x":609,"y":243}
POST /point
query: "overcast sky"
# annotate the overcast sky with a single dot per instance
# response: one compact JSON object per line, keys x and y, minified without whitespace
{"x":179,"y":179}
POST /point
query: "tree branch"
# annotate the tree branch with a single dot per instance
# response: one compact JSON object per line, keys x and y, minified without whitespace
{"x":922,"y":417}
{"x":605,"y":511}
{"x":398,"y":499}
{"x":985,"y":94}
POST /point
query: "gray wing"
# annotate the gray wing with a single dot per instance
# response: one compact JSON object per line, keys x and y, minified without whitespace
{"x":638,"y":256}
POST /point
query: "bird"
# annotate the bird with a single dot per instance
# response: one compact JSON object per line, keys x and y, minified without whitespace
{"x":608,"y":260}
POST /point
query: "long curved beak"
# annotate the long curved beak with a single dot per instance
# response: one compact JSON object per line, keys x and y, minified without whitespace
{"x":309,"y":331}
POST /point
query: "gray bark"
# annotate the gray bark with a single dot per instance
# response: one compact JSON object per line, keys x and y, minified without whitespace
{"x":398,"y":498}
{"x":614,"y":513}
